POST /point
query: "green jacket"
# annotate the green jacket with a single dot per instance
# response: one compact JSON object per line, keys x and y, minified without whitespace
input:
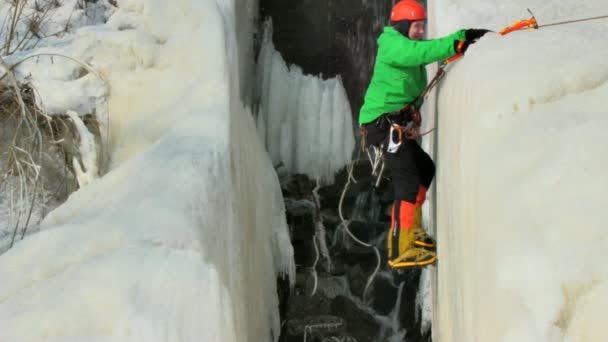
{"x":400,"y":74}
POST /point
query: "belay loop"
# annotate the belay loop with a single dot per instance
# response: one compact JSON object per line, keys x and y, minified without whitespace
{"x":404,"y":123}
{"x":395,"y":138}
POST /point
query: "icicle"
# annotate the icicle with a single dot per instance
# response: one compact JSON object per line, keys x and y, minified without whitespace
{"x":86,"y":173}
{"x":308,"y":120}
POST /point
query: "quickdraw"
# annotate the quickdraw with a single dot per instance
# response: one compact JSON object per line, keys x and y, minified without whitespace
{"x":533,"y":24}
{"x":520,"y":25}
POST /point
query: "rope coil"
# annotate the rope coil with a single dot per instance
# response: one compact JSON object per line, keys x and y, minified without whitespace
{"x":345,"y":222}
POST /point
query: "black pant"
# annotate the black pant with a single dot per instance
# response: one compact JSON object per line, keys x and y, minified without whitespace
{"x":410,"y":167}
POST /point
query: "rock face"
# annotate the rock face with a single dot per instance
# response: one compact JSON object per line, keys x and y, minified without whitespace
{"x":329,"y":301}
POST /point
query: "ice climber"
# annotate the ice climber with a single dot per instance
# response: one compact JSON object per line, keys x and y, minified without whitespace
{"x":399,"y":77}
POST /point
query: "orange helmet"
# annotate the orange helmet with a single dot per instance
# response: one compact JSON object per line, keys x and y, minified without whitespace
{"x":408,"y":10}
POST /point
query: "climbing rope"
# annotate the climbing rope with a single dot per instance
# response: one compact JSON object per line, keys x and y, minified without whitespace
{"x":314,"y":266}
{"x":376,"y":160}
{"x":345,"y":222}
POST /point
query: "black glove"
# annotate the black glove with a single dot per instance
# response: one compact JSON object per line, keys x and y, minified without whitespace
{"x":460,"y":46}
{"x":472,"y":35}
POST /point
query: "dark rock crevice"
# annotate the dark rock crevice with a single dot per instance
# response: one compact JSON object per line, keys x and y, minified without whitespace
{"x":328,"y":303}
{"x":329,"y":38}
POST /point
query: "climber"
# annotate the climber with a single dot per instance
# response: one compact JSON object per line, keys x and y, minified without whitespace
{"x":399,"y":77}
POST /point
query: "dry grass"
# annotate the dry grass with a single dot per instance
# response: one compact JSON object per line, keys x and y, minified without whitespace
{"x":21,"y":148}
{"x":31,"y":141}
{"x":27,"y":135}
{"x":35,"y":21}
{"x":35,"y":149}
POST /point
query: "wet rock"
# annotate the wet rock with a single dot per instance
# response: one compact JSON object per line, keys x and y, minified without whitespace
{"x":303,"y":303}
{"x":313,"y":328}
{"x":364,"y":231}
{"x":283,"y":292}
{"x":303,"y":215}
{"x":297,"y":186}
{"x":357,"y":280}
{"x":299,"y":207}
{"x":339,"y":268}
{"x":415,"y":335}
{"x":331,"y":194}
{"x":302,"y":242}
{"x":339,"y":338}
{"x":332,"y":287}
{"x":360,"y":324}
{"x":407,"y":313}
{"x":342,"y":282}
{"x":383,"y":295}
{"x":323,"y":285}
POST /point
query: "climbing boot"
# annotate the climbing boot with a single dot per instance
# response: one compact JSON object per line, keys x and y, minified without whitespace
{"x":408,"y":255}
{"x":421,"y":196}
{"x":402,"y":253}
{"x":421,"y":238}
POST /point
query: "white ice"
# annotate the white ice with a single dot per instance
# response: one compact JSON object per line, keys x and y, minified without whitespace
{"x":184,"y":237}
{"x":305,"y":121}
{"x":521,"y":182}
{"x":86,"y":169}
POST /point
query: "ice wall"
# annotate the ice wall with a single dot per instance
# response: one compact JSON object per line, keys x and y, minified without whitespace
{"x":184,"y":237}
{"x":304,"y":121}
{"x":521,"y":179}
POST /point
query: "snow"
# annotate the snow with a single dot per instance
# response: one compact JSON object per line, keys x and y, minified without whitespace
{"x":521,"y":179}
{"x":184,"y":237}
{"x":50,"y":19}
{"x":305,"y":121}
